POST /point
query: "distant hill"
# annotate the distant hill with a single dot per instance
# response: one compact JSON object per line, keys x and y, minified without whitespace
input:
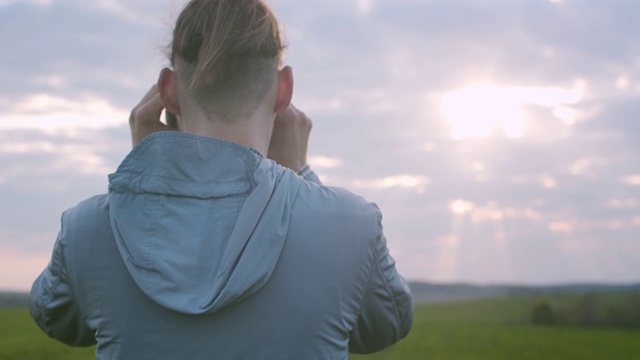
{"x":13,"y":300}
{"x":434,"y":292}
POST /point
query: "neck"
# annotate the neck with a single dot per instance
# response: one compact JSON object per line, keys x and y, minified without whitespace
{"x":253,"y":131}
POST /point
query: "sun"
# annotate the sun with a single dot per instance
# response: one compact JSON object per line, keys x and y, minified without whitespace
{"x":482,"y":110}
{"x":479,"y":111}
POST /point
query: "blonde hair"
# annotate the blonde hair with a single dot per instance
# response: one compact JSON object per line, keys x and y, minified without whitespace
{"x":230,"y":49}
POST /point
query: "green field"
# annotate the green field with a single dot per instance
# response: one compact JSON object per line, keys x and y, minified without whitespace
{"x":486,"y":329}
{"x":21,"y":339}
{"x":497,"y":329}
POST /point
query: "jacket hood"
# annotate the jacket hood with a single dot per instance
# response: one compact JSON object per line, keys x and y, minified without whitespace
{"x":199,"y":222}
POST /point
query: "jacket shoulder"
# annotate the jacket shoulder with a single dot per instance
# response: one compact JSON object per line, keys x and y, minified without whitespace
{"x":340,"y":208}
{"x":88,"y":216}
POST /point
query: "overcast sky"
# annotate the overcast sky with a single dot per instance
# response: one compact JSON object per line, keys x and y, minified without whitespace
{"x":500,"y":138}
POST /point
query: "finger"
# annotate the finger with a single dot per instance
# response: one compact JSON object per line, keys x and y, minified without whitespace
{"x":150,"y":94}
{"x":296,"y":112}
{"x":151,"y":110}
{"x":287,"y":115}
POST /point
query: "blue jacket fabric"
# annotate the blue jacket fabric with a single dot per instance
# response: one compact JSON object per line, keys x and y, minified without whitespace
{"x":204,"y":249}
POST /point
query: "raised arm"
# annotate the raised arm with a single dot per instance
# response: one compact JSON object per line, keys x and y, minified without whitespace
{"x":290,"y":142}
{"x":53,"y":304}
{"x":386,"y":314}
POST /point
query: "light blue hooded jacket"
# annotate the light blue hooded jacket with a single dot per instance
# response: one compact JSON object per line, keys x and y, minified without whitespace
{"x":204,"y":249}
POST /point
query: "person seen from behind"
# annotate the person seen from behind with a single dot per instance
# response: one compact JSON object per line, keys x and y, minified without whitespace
{"x":216,"y":240}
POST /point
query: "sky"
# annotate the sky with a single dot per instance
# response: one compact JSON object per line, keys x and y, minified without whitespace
{"x":500,"y":138}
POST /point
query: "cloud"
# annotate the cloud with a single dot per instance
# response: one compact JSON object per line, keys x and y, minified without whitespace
{"x":618,"y":203}
{"x":632,"y":180}
{"x":320,"y":162}
{"x":401,"y":181}
{"x":461,"y":207}
{"x":43,"y":110}
{"x":364,"y":6}
{"x":561,"y":227}
{"x":77,"y":50}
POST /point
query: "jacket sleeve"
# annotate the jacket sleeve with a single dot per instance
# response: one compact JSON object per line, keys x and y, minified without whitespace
{"x":53,"y":305}
{"x":309,"y":175}
{"x":386,"y":314}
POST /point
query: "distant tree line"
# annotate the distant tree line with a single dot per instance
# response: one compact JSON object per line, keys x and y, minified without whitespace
{"x":13,"y":300}
{"x":591,"y":310}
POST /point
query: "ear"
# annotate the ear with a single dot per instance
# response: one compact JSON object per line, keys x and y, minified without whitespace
{"x":285,"y":89}
{"x":168,"y":88}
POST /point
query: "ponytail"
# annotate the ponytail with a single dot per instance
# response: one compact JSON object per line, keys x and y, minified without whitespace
{"x":218,"y":39}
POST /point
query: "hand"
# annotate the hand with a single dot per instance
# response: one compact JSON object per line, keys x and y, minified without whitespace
{"x":145,"y":117}
{"x":290,"y":139}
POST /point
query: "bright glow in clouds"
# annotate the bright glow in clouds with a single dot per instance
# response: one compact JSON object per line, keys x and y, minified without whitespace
{"x":491,"y":212}
{"x":632,"y":180}
{"x":548,"y":182}
{"x":623,"y":83}
{"x":566,"y":114}
{"x":364,"y":6}
{"x":324,"y":162}
{"x":563,"y":227}
{"x":461,"y":207}
{"x":401,"y":181}
{"x":46,"y":112}
{"x":480,"y":110}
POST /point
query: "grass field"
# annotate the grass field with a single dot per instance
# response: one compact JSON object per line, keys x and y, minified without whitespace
{"x":21,"y":339}
{"x":486,"y":329}
{"x":497,"y":329}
